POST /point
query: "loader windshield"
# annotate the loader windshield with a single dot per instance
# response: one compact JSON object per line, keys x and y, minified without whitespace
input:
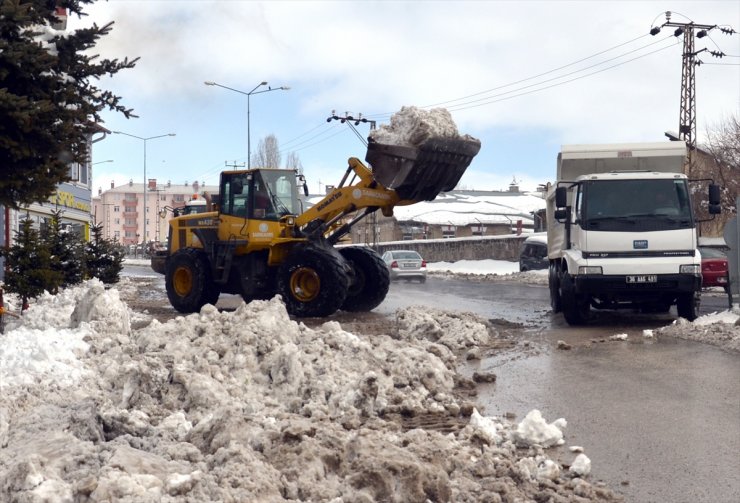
{"x":275,"y":194}
{"x":259,"y":194}
{"x":638,"y":205}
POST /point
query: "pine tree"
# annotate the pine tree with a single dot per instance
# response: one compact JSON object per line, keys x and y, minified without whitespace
{"x":28,"y":265}
{"x":49,"y":99}
{"x":67,"y":251}
{"x":103,"y":257}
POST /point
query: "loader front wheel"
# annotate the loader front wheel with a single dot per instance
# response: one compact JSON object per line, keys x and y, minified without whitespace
{"x":313,"y":282}
{"x":188,"y":281}
{"x":369,"y":286}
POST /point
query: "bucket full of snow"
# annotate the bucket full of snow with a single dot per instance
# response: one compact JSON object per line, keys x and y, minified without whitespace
{"x":420,"y":173}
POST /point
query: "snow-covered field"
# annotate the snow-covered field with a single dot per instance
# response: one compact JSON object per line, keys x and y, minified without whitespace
{"x":251,"y":406}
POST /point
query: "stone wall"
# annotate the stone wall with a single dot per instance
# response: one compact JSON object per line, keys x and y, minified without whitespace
{"x":451,"y":250}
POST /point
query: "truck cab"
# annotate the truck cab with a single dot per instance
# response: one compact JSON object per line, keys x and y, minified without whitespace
{"x":623,"y":238}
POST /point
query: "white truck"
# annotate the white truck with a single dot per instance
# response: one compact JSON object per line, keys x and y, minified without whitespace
{"x":621,"y":232}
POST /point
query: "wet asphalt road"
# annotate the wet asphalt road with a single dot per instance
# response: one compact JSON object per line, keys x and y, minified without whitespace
{"x":659,"y":418}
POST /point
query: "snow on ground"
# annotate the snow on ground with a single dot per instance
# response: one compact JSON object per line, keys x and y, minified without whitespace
{"x":488,"y":269}
{"x":251,"y":406}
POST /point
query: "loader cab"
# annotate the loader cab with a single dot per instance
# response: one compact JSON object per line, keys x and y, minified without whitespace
{"x":261,"y":194}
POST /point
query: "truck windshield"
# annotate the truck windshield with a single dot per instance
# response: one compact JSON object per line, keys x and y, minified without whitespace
{"x":635,"y":205}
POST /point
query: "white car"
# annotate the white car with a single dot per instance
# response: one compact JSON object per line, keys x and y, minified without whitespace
{"x":405,"y":264}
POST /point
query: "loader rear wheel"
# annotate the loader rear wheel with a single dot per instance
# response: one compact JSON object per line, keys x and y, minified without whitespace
{"x":188,"y":281}
{"x":313,"y":282}
{"x":371,"y":279}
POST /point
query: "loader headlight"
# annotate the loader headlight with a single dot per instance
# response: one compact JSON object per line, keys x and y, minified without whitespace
{"x":690,"y":269}
{"x":290,"y":221}
{"x":590,"y":269}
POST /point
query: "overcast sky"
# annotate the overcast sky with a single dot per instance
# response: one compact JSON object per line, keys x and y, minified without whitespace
{"x":523,"y":76}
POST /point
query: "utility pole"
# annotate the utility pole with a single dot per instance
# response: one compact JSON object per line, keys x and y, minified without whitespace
{"x":234,"y":165}
{"x":687,"y":116}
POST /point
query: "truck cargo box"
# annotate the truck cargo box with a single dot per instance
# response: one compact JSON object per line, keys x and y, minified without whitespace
{"x":577,"y":160}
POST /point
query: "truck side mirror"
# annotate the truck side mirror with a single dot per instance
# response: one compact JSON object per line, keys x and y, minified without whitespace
{"x":714,"y":194}
{"x":561,"y":197}
{"x":560,"y":214}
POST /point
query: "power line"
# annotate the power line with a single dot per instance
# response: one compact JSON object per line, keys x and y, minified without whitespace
{"x":388,"y":114}
{"x":462,"y":107}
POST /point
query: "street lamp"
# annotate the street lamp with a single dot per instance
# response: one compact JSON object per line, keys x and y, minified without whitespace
{"x":101,"y":162}
{"x":248,"y":94}
{"x":145,"y":182}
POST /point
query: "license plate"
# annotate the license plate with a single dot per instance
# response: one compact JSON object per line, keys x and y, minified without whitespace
{"x":648,"y":278}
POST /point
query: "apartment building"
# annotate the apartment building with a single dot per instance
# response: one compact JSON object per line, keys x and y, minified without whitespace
{"x":136,"y":213}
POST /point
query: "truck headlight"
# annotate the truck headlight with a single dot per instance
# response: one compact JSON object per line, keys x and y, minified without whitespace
{"x":590,"y":269}
{"x":690,"y":269}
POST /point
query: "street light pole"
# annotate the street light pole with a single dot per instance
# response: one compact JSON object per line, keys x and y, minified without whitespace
{"x":248,"y":94}
{"x":145,"y":181}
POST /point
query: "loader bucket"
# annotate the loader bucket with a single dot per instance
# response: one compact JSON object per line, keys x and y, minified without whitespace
{"x":420,"y":173}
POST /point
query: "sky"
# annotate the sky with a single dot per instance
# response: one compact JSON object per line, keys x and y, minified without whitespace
{"x":525,"y":77}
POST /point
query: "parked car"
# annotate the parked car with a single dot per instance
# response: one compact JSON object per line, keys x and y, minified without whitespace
{"x":533,"y":254}
{"x":714,"y":269}
{"x":405,"y":264}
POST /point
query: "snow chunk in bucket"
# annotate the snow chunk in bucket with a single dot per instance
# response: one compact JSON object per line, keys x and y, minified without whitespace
{"x":420,"y":153}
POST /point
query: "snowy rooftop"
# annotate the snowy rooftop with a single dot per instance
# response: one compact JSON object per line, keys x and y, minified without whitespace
{"x":463,"y":207}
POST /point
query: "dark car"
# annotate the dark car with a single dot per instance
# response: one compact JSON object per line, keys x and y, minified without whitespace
{"x":405,"y":264}
{"x":714,"y":270}
{"x":533,"y":254}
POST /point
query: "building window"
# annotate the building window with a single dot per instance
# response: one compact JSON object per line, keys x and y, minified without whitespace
{"x":179,"y":198}
{"x":478,"y":230}
{"x":117,"y":235}
{"x":448,"y":231}
{"x":117,"y":221}
{"x":130,"y":197}
{"x":116,"y":209}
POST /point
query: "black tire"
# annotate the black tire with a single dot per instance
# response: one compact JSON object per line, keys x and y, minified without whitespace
{"x":575,"y":307}
{"x":687,"y":305}
{"x":189,"y":282}
{"x":423,"y":279}
{"x":313,"y":281}
{"x":371,"y":279}
{"x":554,"y":284}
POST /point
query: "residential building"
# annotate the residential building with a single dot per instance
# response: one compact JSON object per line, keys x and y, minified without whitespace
{"x":121,"y":209}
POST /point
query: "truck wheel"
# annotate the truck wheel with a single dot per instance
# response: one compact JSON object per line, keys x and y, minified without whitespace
{"x":554,"y":284}
{"x":312,"y":282}
{"x":688,"y":306}
{"x":371,"y":279}
{"x":575,"y":307}
{"x":188,"y":281}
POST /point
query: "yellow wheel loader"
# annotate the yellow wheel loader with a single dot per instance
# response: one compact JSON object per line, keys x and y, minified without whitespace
{"x":258,"y":241}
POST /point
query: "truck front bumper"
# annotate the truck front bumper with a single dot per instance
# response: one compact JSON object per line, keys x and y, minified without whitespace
{"x":618,"y":287}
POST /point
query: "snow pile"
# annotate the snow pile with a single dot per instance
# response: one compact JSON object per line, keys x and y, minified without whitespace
{"x":720,"y":329}
{"x":412,"y":126}
{"x":251,"y":406}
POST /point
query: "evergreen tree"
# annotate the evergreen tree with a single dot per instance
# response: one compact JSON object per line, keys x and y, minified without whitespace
{"x":67,"y":251}
{"x":103,"y":257}
{"x":28,"y":265}
{"x":49,"y":99}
